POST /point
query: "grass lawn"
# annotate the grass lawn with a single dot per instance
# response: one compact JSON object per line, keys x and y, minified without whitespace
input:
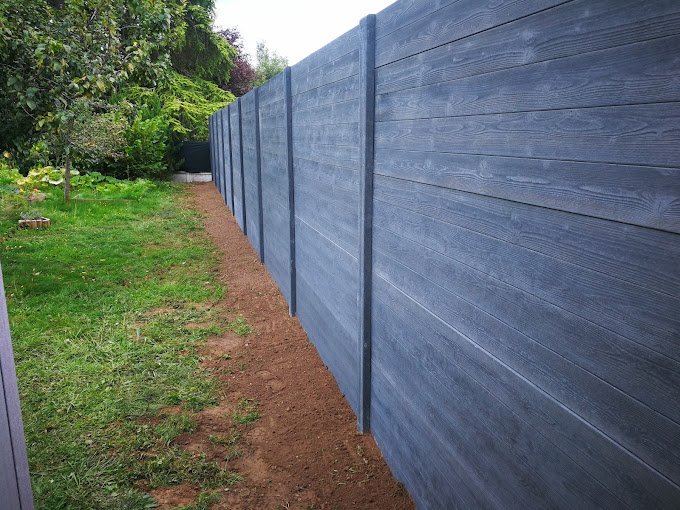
{"x":99,"y":306}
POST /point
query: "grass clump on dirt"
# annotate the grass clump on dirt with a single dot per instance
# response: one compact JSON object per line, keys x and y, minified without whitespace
{"x":246,"y":412}
{"x":108,"y":371}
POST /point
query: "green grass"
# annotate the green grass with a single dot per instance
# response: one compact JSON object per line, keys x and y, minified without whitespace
{"x":246,"y":412}
{"x":99,"y":306}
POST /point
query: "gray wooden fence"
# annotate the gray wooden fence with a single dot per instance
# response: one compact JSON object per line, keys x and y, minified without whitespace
{"x":473,"y":207}
{"x":15,"y":484}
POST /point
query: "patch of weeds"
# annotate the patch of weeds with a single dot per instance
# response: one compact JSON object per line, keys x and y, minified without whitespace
{"x":230,"y":443}
{"x":240,"y":326}
{"x":246,"y":412}
{"x":173,"y":466}
{"x":205,"y":500}
{"x":221,"y":440}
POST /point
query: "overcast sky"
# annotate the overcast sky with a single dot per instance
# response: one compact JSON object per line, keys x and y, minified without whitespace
{"x":293,"y":28}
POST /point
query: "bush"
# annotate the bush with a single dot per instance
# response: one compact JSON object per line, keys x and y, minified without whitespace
{"x":147,"y":148}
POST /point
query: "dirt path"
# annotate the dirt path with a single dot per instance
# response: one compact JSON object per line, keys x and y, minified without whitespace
{"x":304,"y":451}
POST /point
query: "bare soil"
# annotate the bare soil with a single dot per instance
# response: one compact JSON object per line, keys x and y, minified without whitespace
{"x":304,"y":451}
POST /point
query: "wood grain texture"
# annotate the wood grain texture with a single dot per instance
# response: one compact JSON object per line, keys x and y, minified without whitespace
{"x":646,"y":258}
{"x":645,"y":196}
{"x":634,"y":135}
{"x":452,"y":22}
{"x":336,"y":92}
{"x":647,"y":72}
{"x":327,"y":291}
{"x":338,"y":48}
{"x":644,"y":317}
{"x":226,"y":156}
{"x":251,"y":169}
{"x":436,"y":350}
{"x":524,"y":303}
{"x":274,"y":170}
{"x":459,"y":300}
{"x":582,"y":26}
{"x":237,"y":161}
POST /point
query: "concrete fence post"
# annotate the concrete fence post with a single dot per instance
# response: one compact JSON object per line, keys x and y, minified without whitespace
{"x":288,"y":101}
{"x":258,"y":163}
{"x":366,"y":165}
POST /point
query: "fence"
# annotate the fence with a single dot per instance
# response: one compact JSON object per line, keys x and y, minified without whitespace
{"x":474,"y":208}
{"x":15,"y":483}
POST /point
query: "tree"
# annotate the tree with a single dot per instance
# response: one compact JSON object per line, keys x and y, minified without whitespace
{"x":203,"y":54}
{"x":243,"y":75}
{"x":269,"y":64}
{"x":87,"y":133}
{"x":58,"y":55}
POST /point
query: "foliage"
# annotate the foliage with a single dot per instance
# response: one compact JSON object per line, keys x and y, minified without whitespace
{"x":98,"y":307}
{"x":243,"y":75}
{"x":9,"y":177}
{"x":93,"y":184}
{"x":147,"y":147}
{"x":269,"y":64}
{"x":40,"y":178}
{"x":64,"y":65}
{"x":203,"y":54}
{"x":51,"y":57}
{"x":32,"y":214}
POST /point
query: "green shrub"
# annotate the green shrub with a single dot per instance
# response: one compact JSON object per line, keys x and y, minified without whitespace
{"x":147,"y":147}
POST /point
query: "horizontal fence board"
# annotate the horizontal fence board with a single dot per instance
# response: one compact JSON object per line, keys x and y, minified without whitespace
{"x":642,"y":135}
{"x":645,"y":196}
{"x":336,"y":92}
{"x":455,"y":21}
{"x":596,"y":454}
{"x":338,"y":135}
{"x":345,"y":155}
{"x":333,"y":213}
{"x":344,"y":67}
{"x":577,"y":27}
{"x":405,"y":12}
{"x":632,"y":74}
{"x":337,"y":113}
{"x":644,"y":317}
{"x":435,"y":477}
{"x":272,"y":91}
{"x":331,"y":52}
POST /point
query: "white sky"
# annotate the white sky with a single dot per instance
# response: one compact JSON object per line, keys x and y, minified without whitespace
{"x":293,"y":28}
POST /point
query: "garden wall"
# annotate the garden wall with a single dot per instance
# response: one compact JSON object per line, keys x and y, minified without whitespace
{"x":474,"y":210}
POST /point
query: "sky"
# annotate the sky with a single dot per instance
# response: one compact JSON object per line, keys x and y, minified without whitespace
{"x":293,"y":28}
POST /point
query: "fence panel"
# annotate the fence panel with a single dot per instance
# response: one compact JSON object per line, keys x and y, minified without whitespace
{"x":251,"y":168}
{"x":237,"y":164}
{"x":496,"y":319}
{"x":326,"y":162}
{"x":223,"y":143}
{"x":275,"y":182}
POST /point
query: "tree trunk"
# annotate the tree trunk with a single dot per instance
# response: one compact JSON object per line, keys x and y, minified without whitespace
{"x":67,"y":179}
